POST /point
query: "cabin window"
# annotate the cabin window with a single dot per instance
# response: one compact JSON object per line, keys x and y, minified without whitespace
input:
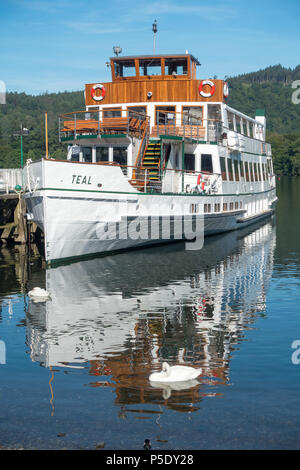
{"x":207,"y":207}
{"x":230,"y":172}
{"x":265,"y":171}
{"x":247,"y":171}
{"x":73,"y":153}
{"x":194,"y":208}
{"x":242,"y":126}
{"x":176,"y":66}
{"x":120,"y":155}
{"x":101,"y":154}
{"x":132,"y":110}
{"x":165,"y":115}
{"x":214,"y":112}
{"x":238,"y":124}
{"x":125,"y":68}
{"x":248,"y":129}
{"x":225,"y":206}
{"x":189,"y":161}
{"x":206,"y":163}
{"x":231,"y":206}
{"x":192,"y":115}
{"x":230,"y":120}
{"x":217,"y":207}
{"x":112,"y":112}
{"x":236,"y":205}
{"x":150,"y":67}
{"x":256,"y":176}
{"x":252,"y":171}
{"x":223,"y":168}
{"x":236,"y":170}
{"x":87,"y":154}
{"x":242,"y":169}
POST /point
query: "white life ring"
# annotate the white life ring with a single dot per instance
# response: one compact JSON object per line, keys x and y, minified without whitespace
{"x":212,"y":88}
{"x":225,"y":89}
{"x":101,"y":87}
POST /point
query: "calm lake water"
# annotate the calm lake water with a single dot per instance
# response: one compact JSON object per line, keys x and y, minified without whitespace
{"x":74,"y":370}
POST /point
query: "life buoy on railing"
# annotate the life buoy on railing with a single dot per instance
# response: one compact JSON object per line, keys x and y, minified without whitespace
{"x":200,"y":184}
{"x":101,"y":87}
{"x":212,"y":88}
{"x":225,"y":90}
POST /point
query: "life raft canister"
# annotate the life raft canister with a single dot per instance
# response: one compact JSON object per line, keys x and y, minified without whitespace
{"x":225,"y":89}
{"x":101,"y":87}
{"x":212,"y":88}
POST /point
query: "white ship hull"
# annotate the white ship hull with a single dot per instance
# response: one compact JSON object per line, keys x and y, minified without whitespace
{"x":75,"y":204}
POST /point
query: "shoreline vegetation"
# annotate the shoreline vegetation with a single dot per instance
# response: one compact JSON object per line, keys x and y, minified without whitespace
{"x":270,"y":89}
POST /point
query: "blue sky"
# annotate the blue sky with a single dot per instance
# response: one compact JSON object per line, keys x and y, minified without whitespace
{"x":50,"y":45}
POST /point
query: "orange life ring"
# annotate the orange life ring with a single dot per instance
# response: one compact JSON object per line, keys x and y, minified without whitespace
{"x":212,"y":88}
{"x":101,"y":87}
{"x":200,"y":182}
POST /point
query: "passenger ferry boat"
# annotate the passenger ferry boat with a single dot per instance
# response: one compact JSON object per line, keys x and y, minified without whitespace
{"x":154,"y":148}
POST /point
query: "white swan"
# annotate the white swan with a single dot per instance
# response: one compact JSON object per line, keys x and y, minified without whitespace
{"x":174,"y":373}
{"x":38,"y":295}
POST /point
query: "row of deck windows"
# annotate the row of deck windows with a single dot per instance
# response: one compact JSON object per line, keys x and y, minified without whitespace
{"x":150,"y":67}
{"x":102,"y":154}
{"x":166,"y":115}
{"x":237,"y":205}
{"x":249,"y":171}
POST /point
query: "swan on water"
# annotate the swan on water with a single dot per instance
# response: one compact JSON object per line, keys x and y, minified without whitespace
{"x":174,"y":373}
{"x":38,"y":295}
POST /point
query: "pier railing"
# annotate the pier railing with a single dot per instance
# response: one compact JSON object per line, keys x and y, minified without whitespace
{"x":9,"y":179}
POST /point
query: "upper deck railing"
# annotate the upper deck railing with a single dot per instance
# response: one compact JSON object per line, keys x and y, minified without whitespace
{"x":95,"y":123}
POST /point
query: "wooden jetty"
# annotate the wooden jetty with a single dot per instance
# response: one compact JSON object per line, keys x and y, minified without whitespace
{"x":14,"y":228}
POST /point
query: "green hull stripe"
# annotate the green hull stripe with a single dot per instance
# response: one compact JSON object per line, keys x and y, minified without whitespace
{"x":154,"y":194}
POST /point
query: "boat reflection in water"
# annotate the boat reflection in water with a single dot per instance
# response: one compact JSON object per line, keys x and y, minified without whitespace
{"x":119,"y":317}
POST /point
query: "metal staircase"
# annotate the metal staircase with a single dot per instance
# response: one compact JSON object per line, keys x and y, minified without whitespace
{"x":151,"y":160}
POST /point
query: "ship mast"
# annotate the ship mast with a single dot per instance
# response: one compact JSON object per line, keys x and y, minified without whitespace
{"x":154,"y":29}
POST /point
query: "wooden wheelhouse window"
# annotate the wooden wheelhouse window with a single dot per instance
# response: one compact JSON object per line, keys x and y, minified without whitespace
{"x":124,"y":68}
{"x":149,"y":67}
{"x":176,"y":66}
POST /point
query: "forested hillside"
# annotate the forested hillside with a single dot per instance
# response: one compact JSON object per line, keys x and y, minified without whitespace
{"x":270,"y":89}
{"x":29,"y":110}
